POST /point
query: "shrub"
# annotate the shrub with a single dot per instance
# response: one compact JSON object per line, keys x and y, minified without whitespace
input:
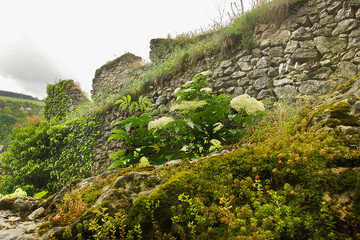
{"x":198,"y":115}
{"x":42,"y":156}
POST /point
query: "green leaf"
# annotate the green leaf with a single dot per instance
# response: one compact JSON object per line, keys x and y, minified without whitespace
{"x":121,"y":162}
{"x":128,"y":126}
{"x":118,"y":101}
{"x":129,"y":98}
{"x":40,"y":194}
{"x":191,"y":124}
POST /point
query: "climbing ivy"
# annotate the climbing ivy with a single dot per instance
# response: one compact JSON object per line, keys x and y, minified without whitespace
{"x":49,"y":155}
{"x":56,"y":102}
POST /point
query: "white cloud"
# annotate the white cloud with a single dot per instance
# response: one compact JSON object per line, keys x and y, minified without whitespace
{"x":71,"y":39}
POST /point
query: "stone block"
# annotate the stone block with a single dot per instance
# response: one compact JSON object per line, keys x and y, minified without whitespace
{"x":345,"y":26}
{"x":346,"y":70}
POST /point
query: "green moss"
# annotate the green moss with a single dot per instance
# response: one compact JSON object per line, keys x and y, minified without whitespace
{"x":340,"y":110}
{"x":346,"y":86}
{"x":90,"y":194}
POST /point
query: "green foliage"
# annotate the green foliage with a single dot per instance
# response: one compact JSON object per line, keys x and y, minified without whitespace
{"x":126,"y":103}
{"x":192,"y":133}
{"x":104,"y":226}
{"x":15,"y":111}
{"x":272,"y":188}
{"x":45,"y":156}
{"x":56,"y":101}
{"x":40,"y":194}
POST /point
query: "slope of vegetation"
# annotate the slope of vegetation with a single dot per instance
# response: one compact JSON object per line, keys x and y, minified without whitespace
{"x":285,"y":180}
{"x":16,"y":111}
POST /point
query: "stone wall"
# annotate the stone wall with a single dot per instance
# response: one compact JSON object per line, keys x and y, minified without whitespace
{"x":110,"y":78}
{"x":313,"y":51}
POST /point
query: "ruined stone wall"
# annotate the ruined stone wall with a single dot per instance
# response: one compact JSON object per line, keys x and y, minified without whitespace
{"x":313,"y":51}
{"x":109,"y":79}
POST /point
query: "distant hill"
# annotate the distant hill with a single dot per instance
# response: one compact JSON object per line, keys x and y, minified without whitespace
{"x":17,"y":95}
{"x":15,"y":110}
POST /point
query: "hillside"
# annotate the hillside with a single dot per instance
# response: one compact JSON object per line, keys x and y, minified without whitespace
{"x":16,"y":111}
{"x":248,"y":131}
{"x":16,"y":95}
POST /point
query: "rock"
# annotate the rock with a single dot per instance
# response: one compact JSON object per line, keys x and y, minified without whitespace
{"x":325,"y":31}
{"x":281,"y":37}
{"x":286,"y":91}
{"x":257,"y":73}
{"x":302,"y":34}
{"x":226,"y":64}
{"x":241,"y":54}
{"x":345,"y":26}
{"x":229,"y":71}
{"x":344,"y":13}
{"x":37,"y":213}
{"x":26,"y":204}
{"x":282,"y":82}
{"x":291,"y":46}
{"x":314,"y":87}
{"x":161,"y":100}
{"x":348,"y":56}
{"x":283,"y":68}
{"x":238,"y":74}
{"x":125,"y":190}
{"x":254,"y":61}
{"x":251,"y":92}
{"x":272,"y":72}
{"x":243,"y":82}
{"x":348,"y":130}
{"x":309,"y":44}
{"x":256,"y":52}
{"x":244,"y":66}
{"x":246,"y":58}
{"x":333,"y":45}
{"x":334,"y":7}
{"x":263,"y":62}
{"x":276,"y":52}
{"x":321,"y":74}
{"x":238,"y":91}
{"x":265,"y":43}
{"x":357,"y":15}
{"x":303,"y":55}
{"x":346,"y":70}
{"x":265,"y":93}
{"x":261,"y":83}
{"x":355,"y":109}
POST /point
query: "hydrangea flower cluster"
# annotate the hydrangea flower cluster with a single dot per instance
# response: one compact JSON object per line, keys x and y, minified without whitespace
{"x":188,"y":106}
{"x":18,"y":193}
{"x":249,"y":104}
{"x":206,"y":90}
{"x":160,"y":123}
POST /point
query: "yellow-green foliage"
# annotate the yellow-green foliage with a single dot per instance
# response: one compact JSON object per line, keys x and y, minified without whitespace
{"x":272,"y":188}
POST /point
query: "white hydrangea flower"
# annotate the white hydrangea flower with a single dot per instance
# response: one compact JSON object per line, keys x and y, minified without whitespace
{"x":160,"y":123}
{"x":18,"y":193}
{"x":144,"y":162}
{"x":187,"y":106}
{"x":206,"y":90}
{"x":176,"y":91}
{"x":249,"y":104}
{"x":188,"y":83}
{"x":218,"y":126}
{"x":189,"y":90}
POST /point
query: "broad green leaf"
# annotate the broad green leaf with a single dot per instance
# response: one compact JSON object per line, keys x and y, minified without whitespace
{"x":40,"y":194}
{"x":128,"y":126}
{"x":121,"y":162}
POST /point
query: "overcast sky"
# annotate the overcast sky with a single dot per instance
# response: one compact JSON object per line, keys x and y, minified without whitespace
{"x":42,"y":41}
